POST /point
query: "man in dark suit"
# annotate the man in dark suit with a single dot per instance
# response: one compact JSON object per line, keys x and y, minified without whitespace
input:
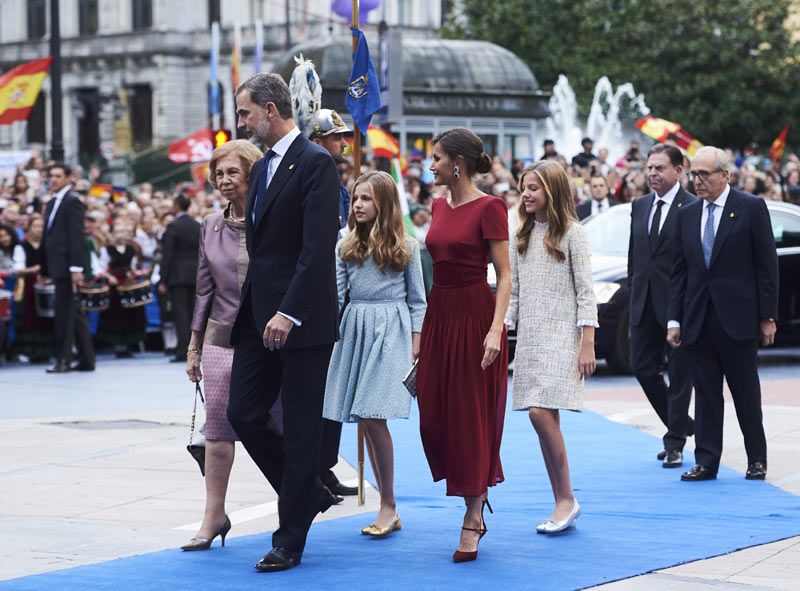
{"x":288,"y":315}
{"x":64,"y":259}
{"x":649,"y":264}
{"x":179,"y":252}
{"x":328,"y":130}
{"x":723,"y":301}
{"x":601,"y":198}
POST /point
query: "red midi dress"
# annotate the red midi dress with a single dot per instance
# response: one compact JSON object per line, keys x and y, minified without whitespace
{"x":461,"y":406}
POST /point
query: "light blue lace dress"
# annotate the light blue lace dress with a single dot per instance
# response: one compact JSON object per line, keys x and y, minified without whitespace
{"x":373,"y":354}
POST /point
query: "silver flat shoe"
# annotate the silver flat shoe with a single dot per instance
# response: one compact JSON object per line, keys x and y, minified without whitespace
{"x":554,"y":527}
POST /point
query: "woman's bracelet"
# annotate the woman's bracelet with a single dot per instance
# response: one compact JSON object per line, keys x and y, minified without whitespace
{"x":192,"y":350}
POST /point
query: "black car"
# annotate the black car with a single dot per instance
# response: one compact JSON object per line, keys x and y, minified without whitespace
{"x":608,"y":235}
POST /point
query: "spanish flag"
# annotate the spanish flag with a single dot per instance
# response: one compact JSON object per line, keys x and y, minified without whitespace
{"x":19,"y":88}
{"x":662,"y":130}
{"x":779,"y":145}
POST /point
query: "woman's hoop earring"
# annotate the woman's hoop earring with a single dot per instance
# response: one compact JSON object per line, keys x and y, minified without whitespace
{"x":456,"y":172}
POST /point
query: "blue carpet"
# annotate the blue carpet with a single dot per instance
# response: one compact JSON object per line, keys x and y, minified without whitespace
{"x":637,"y":517}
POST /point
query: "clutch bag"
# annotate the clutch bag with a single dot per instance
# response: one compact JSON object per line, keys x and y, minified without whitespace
{"x":410,"y":381}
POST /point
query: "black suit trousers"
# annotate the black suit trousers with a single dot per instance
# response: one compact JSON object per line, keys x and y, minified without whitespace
{"x":289,"y":463}
{"x":650,"y":356}
{"x":71,"y":325}
{"x":329,"y":451}
{"x":182,"y":297}
{"x":712,"y":356}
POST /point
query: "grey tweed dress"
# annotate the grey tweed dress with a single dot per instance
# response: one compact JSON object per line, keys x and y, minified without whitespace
{"x":550,"y":303}
{"x":373,"y":355}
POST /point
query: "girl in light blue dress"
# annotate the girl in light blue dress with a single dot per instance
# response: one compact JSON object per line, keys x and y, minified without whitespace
{"x":379,"y":266}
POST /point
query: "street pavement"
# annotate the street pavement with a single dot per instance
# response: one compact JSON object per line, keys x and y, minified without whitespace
{"x":94,"y":468}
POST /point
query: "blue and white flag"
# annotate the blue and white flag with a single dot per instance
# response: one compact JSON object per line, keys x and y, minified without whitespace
{"x":363,"y":95}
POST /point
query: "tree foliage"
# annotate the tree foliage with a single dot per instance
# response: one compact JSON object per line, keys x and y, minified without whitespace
{"x":729,"y":72}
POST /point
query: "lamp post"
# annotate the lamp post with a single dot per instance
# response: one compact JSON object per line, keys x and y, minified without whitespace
{"x":57,"y":114}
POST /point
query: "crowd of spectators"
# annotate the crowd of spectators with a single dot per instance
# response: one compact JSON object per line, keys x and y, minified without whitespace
{"x":140,"y":215}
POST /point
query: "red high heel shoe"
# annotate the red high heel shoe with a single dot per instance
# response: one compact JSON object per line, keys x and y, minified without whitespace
{"x":460,"y":556}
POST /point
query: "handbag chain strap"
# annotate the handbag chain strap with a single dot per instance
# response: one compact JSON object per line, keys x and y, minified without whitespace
{"x":197,"y":392}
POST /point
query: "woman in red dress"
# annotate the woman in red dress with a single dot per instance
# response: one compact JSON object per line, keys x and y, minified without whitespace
{"x":462,"y":375}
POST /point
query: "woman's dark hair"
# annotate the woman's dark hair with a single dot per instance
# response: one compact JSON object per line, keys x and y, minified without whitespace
{"x":14,"y":237}
{"x":463,"y":142}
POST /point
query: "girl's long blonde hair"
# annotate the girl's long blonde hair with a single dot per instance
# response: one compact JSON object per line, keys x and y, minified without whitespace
{"x":560,"y":208}
{"x":386,"y":240}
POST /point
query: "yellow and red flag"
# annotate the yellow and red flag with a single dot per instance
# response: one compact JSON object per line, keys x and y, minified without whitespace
{"x":19,"y":88}
{"x":382,"y":143}
{"x":779,"y":145}
{"x":662,"y":130}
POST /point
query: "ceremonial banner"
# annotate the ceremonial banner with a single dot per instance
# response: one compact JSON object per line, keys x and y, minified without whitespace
{"x":363,"y":95}
{"x":19,"y":88}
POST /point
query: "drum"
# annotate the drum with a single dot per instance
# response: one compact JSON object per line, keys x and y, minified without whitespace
{"x":136,"y":293}
{"x":5,"y":305}
{"x":94,"y":297}
{"x":45,"y":298}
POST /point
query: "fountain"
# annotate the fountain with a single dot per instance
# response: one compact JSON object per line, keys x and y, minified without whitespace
{"x":611,"y":110}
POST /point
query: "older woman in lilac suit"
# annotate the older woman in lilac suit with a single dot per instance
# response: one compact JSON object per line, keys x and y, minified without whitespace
{"x":221,"y":269}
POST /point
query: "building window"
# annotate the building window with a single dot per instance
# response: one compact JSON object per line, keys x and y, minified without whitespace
{"x":37,"y":19}
{"x":214,"y":12}
{"x":36,"y":130}
{"x":87,"y":17}
{"x":142,"y":17}
{"x":140,"y":107}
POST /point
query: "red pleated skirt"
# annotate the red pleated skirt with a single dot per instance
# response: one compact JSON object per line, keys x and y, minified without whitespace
{"x":461,"y":406}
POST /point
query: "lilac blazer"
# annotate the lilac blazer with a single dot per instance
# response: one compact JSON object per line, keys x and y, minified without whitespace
{"x":221,"y":269}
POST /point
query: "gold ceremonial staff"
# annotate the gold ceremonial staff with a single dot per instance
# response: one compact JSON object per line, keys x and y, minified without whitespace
{"x":357,"y":172}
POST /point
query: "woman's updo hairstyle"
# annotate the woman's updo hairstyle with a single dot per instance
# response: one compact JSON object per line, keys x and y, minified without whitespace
{"x":463,"y":142}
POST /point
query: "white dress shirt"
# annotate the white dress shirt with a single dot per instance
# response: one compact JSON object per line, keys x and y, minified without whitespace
{"x":667,"y":198}
{"x":720,"y":203}
{"x":57,"y":198}
{"x":596,"y":205}
{"x":280,"y":148}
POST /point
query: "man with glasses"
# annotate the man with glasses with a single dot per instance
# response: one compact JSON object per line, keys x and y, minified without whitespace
{"x":649,"y":264}
{"x":723,"y":301}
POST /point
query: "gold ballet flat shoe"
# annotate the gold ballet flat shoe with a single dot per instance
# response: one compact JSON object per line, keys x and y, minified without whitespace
{"x":381,"y":532}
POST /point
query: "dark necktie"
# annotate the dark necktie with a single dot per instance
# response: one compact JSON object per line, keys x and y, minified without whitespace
{"x":263,"y":183}
{"x":655,"y":225}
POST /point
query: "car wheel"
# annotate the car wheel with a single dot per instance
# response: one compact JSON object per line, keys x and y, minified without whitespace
{"x":620,"y":359}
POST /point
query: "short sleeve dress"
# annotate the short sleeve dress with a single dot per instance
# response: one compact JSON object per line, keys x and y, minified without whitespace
{"x":462,"y":407}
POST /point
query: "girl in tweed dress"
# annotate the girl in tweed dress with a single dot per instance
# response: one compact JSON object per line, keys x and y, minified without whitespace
{"x":553,"y":307}
{"x":380,"y":329}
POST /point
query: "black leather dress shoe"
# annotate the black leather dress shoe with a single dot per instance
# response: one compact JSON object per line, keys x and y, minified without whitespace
{"x":343,"y":491}
{"x":278,"y":559}
{"x":673,"y":459}
{"x":326,"y":500}
{"x":698,"y":473}
{"x":82,"y":367}
{"x":60,"y":367}
{"x":756,"y":471}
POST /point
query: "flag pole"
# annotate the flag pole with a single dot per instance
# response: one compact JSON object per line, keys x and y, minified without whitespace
{"x":356,"y":173}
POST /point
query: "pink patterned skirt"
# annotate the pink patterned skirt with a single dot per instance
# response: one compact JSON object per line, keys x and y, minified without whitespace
{"x":217,"y":363}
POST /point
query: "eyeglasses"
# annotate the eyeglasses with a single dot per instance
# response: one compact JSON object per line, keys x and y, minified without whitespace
{"x":701,"y":175}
